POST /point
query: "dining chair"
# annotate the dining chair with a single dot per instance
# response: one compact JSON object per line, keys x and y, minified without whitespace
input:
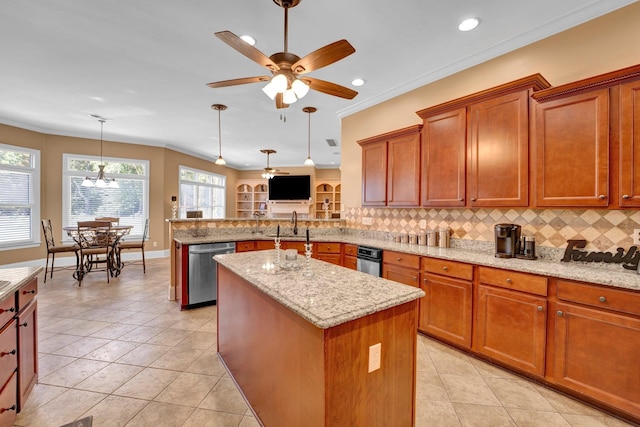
{"x":52,"y":249}
{"x":95,"y":246}
{"x":136,"y":244}
{"x":112,"y":219}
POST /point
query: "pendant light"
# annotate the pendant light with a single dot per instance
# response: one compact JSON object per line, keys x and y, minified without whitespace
{"x":219,"y":160}
{"x":309,"y":110}
{"x":101,"y":180}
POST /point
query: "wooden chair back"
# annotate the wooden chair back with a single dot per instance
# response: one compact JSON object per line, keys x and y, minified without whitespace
{"x":112,"y":219}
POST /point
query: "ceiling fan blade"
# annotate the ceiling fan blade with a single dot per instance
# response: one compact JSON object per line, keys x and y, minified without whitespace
{"x":279,"y":102}
{"x":322,"y":57}
{"x":330,"y":88}
{"x":242,"y":81}
{"x":247,"y":50}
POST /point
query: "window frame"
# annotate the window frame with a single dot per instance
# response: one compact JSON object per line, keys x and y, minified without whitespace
{"x":34,"y":169}
{"x":181,"y":208}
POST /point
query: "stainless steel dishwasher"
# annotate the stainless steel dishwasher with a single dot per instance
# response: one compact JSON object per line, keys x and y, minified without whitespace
{"x":203,"y":272}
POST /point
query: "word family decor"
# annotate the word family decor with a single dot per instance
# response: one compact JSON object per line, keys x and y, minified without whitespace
{"x":629,"y":260}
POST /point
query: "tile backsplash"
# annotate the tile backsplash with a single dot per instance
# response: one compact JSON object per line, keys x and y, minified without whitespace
{"x":604,"y":230}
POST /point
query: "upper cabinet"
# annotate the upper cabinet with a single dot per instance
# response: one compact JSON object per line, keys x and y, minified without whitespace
{"x":391,"y":168}
{"x":587,"y":149}
{"x":475,"y":150}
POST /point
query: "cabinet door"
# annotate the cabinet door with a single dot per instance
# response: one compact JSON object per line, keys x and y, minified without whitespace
{"x":350,"y":262}
{"x":332,"y":258}
{"x":246,"y":246}
{"x":596,"y":353}
{"x":8,"y":403}
{"x":374,"y":174}
{"x":407,"y":276}
{"x":572,"y":151}
{"x":445,"y":312}
{"x":403,"y":179}
{"x":181,"y":269}
{"x":27,"y":352}
{"x":498,"y":156}
{"x":511,"y":328}
{"x":630,"y":145}
{"x":443,"y":159}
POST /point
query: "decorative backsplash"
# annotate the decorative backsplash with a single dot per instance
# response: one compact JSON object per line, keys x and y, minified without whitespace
{"x":604,"y":230}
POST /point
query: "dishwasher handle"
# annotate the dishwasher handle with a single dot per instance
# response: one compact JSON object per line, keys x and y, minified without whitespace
{"x":209,"y":251}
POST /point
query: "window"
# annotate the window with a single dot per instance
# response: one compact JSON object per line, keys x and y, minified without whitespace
{"x":130,"y":202}
{"x":19,"y":197}
{"x":202,"y":191}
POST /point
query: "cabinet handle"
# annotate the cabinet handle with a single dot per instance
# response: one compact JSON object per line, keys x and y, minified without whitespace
{"x":12,"y":408}
{"x":399,"y":259}
{"x":24,"y":324}
{"x":11,"y":310}
{"x":461,"y":199}
{"x":560,"y":313}
{"x":602,"y":299}
{"x":445,"y":268}
{"x":415,"y":278}
{"x":602,"y":197}
{"x":539,"y":308}
{"x":4,"y":353}
{"x":626,"y":196}
{"x":32,"y":291}
{"x":508,"y":280}
{"x":473,"y":199}
{"x":424,"y":280}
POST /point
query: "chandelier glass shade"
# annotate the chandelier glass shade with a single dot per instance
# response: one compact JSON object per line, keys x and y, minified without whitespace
{"x":291,"y":91}
{"x":219,"y":160}
{"x":101,"y":181}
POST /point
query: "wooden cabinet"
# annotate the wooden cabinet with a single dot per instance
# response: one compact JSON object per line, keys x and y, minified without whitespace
{"x":445,"y":311}
{"x":629,"y":155}
{"x":572,"y":149}
{"x":350,"y":258}
{"x":181,"y":271}
{"x":498,"y":151}
{"x":597,"y":342}
{"x":511,"y":318}
{"x":444,"y":148}
{"x":328,"y":192}
{"x":27,"y":351}
{"x":8,"y":362}
{"x":8,"y":403}
{"x":329,"y":252}
{"x":262,"y":245}
{"x":391,"y":168}
{"x":246,"y":246}
{"x":401,"y":267}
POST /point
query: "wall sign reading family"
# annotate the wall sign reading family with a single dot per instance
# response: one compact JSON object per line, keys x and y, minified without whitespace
{"x":629,"y":260}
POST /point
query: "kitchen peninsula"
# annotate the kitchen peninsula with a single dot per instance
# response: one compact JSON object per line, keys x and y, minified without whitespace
{"x":302,"y":348}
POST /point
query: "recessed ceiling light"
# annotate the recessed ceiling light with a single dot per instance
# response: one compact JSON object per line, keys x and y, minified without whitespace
{"x":357,"y":82}
{"x":248,"y":39}
{"x":468,"y":24}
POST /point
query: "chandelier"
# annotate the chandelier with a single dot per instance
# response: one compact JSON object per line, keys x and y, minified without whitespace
{"x":101,"y":180}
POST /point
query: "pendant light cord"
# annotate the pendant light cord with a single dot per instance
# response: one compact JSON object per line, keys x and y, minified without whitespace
{"x":101,"y":127}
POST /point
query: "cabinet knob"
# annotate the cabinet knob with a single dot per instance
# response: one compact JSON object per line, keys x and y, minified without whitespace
{"x":461,"y":199}
{"x":4,"y":353}
{"x":398,"y":259}
{"x":508,"y":280}
{"x":12,"y":408}
{"x":560,"y":313}
{"x":602,"y":197}
{"x":626,"y":196}
{"x":424,"y":280}
{"x":11,"y":310}
{"x":473,"y":199}
{"x":445,"y":268}
{"x":539,"y":308}
{"x":24,"y":324}
{"x":415,"y":278}
{"x":602,"y":299}
{"x":32,"y":291}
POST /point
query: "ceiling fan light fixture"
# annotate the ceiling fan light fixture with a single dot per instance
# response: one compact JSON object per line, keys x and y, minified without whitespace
{"x":289,"y":96}
{"x":280,"y":83}
{"x":270,"y":90}
{"x":267,"y":175}
{"x":300,"y":88}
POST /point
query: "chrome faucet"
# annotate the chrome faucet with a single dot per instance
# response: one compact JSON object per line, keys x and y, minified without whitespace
{"x":294,"y":221}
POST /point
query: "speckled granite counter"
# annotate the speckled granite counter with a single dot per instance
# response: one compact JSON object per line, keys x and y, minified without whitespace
{"x":599,"y":273}
{"x":333,"y":295}
{"x":12,"y":278}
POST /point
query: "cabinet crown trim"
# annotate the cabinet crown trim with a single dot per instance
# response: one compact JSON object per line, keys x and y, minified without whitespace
{"x":534,"y":82}
{"x":393,"y":134}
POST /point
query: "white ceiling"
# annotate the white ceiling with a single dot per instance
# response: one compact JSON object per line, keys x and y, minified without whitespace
{"x":144,"y":64}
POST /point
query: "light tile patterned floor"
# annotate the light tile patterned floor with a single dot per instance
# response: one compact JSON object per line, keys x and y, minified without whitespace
{"x":124,"y":354}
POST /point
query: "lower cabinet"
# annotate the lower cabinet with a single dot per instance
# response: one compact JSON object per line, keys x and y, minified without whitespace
{"x":246,"y":246}
{"x":27,"y":351}
{"x":596,"y":346}
{"x":401,"y":267}
{"x":445,"y":311}
{"x":329,"y":252}
{"x":511,"y":319}
{"x":8,"y":404}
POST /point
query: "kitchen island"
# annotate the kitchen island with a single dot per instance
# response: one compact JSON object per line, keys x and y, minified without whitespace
{"x":300,"y":348}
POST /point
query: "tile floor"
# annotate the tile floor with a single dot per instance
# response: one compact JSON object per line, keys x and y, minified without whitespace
{"x":124,"y":354}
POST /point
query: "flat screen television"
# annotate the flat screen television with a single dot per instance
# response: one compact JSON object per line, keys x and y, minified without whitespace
{"x":290,"y":187}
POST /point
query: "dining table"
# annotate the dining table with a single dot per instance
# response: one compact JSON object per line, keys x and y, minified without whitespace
{"x":83,"y":236}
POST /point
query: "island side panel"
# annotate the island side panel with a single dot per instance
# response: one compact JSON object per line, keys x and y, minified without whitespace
{"x":275,"y":356}
{"x":385,"y":397}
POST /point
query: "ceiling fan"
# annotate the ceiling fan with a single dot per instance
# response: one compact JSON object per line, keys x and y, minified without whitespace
{"x":286,"y":85}
{"x":268,"y":171}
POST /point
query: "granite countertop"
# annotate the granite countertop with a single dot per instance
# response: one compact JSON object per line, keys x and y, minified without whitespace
{"x":598,"y":273}
{"x":12,"y":278}
{"x":331,"y":296}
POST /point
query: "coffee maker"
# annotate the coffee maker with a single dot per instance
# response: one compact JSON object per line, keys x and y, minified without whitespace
{"x":507,"y":240}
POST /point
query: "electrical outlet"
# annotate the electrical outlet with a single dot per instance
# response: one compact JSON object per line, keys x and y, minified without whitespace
{"x":423,"y":224}
{"x":636,"y":236}
{"x":155,"y":244}
{"x":367,"y":220}
{"x":375,"y":356}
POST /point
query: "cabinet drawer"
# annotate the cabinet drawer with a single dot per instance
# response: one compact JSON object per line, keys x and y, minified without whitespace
{"x":262,"y":245}
{"x":600,"y":296}
{"x":351,"y":262}
{"x":8,"y":401}
{"x":448,"y":268}
{"x":7,"y":309}
{"x":513,"y":280}
{"x":246,"y":246}
{"x":27,"y":293}
{"x":298,"y":246}
{"x":326,"y":248}
{"x":402,"y":259}
{"x":351,"y":250}
{"x":8,"y":351}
